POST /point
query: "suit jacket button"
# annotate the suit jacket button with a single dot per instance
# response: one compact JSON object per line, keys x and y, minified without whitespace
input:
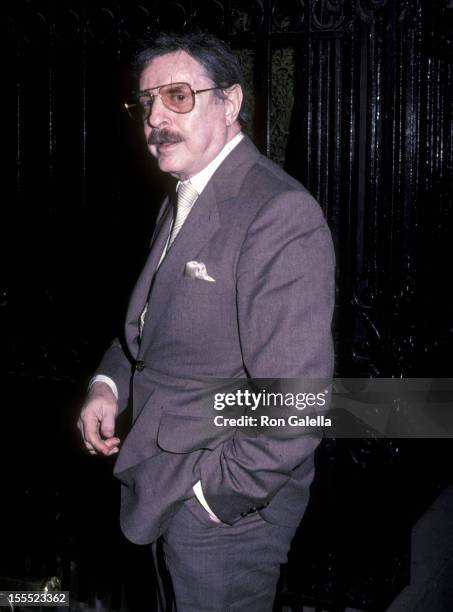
{"x":139,"y":366}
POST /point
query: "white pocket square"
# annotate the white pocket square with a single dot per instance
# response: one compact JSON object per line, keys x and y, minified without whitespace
{"x":196,"y":269}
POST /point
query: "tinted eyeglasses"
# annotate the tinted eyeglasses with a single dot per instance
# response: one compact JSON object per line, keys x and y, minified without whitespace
{"x":178,"y":97}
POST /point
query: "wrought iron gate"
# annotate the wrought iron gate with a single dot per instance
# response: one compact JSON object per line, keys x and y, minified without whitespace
{"x":352,"y":97}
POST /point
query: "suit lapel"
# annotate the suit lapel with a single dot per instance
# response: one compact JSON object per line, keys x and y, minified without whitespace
{"x":142,"y":287}
{"x":199,"y":227}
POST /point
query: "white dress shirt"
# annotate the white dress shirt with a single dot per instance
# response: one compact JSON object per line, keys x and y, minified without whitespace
{"x":199,"y":182}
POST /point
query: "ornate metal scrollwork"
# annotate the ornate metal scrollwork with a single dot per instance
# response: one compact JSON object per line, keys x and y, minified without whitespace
{"x":67,"y":26}
{"x":135,"y":21}
{"x":327,"y":14}
{"x":288,"y":16}
{"x":172,"y":16}
{"x":283,"y":61}
{"x":367,"y":9}
{"x":247,"y":60}
{"x":438,"y":25}
{"x":101,"y":24}
{"x":374,"y":5}
{"x":34,"y":28}
{"x":8,"y":31}
{"x":366,"y":345}
{"x":210,"y":15}
{"x":247,"y":16}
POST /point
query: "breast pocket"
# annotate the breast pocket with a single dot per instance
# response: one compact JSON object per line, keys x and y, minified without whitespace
{"x":203,"y":287}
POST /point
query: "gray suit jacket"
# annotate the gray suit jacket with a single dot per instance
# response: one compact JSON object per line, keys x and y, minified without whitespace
{"x":264,"y":240}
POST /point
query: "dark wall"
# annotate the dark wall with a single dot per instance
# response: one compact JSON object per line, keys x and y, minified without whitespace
{"x":354,"y":98}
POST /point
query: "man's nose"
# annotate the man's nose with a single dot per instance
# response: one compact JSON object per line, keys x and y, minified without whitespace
{"x":159,"y":113}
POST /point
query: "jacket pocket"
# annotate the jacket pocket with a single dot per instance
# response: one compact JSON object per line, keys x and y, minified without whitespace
{"x":185,"y":434}
{"x":199,"y":286}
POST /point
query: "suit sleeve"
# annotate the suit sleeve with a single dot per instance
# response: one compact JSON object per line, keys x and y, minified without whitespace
{"x":285,"y":299}
{"x":116,"y":365}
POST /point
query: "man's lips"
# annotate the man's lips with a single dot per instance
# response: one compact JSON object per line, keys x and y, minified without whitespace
{"x":165,"y":146}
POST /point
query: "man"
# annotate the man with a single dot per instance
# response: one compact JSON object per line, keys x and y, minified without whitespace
{"x":238,"y":285}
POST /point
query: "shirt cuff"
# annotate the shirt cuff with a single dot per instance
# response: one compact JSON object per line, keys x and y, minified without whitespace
{"x":201,"y":498}
{"x":107,"y":380}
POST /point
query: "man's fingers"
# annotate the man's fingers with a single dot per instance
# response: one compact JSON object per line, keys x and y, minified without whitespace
{"x":108,"y":425}
{"x":97,"y":426}
{"x":94,"y":442}
{"x":89,"y":447}
{"x":111,"y":442}
{"x":113,"y":448}
{"x":91,"y":430}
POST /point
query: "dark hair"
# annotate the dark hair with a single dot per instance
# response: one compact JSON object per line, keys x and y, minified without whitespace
{"x":220,"y":63}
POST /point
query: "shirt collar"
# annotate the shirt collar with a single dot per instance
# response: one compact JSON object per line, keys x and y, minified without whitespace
{"x":201,"y":179}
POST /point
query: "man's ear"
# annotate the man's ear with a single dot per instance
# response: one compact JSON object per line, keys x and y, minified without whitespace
{"x":233,"y":103}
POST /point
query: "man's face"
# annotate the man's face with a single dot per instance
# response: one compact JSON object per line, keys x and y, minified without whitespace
{"x":185,"y":143}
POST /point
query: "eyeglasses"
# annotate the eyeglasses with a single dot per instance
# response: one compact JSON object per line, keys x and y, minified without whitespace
{"x":177,"y":97}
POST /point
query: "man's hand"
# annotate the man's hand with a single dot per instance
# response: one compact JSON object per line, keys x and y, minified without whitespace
{"x":97,"y":420}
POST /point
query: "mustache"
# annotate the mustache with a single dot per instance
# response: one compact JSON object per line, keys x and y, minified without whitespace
{"x":164,"y":136}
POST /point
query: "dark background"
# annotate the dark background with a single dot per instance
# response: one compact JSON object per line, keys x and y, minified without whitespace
{"x":355,"y":99}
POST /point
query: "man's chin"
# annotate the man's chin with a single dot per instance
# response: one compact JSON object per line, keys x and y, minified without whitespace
{"x":168,"y":163}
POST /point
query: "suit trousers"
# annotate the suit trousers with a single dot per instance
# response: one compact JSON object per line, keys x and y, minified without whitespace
{"x":205,"y":566}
